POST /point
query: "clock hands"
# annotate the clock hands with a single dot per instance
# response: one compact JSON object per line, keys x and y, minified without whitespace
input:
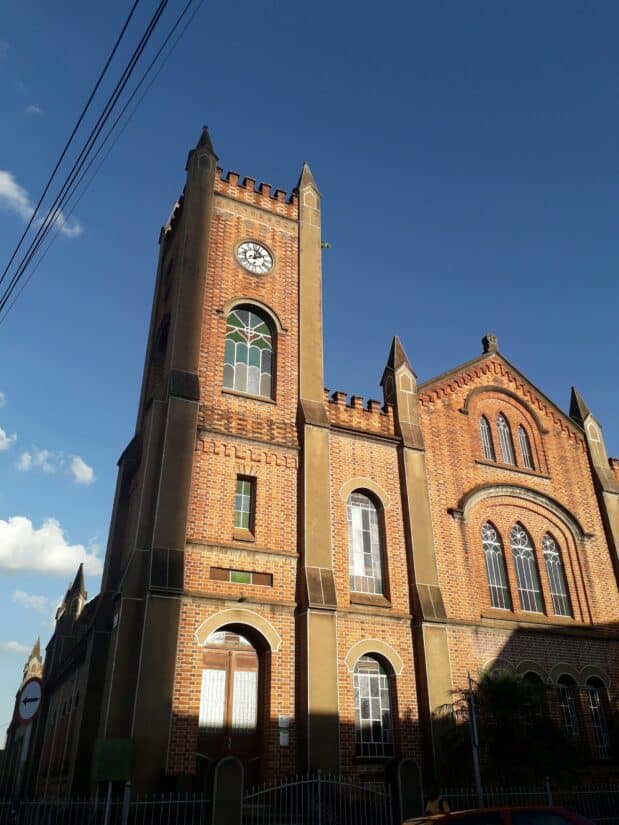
{"x":29,"y":701}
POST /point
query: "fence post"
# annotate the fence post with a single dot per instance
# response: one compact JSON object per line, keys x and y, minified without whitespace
{"x":319,"y":797}
{"x":108,"y":804}
{"x":126,"y":799}
{"x":548,"y":791}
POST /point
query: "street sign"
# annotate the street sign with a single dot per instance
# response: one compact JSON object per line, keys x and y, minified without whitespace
{"x":29,"y":699}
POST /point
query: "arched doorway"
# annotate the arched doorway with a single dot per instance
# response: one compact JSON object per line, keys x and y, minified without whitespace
{"x":230,"y":697}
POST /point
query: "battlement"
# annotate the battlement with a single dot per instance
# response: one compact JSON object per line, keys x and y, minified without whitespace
{"x":278,"y":201}
{"x":372,"y":418}
{"x":172,"y":220}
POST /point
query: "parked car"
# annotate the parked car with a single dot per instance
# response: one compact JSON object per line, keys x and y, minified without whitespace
{"x":522,"y":815}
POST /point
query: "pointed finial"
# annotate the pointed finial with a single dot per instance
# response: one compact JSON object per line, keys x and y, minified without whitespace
{"x":78,"y":582}
{"x":397,"y":357}
{"x":578,"y":409}
{"x":35,"y":653}
{"x":490,"y":342}
{"x":205,"y":142}
{"x":306,"y":178}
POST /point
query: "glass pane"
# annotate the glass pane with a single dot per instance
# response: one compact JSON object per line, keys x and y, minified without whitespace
{"x":245,"y":700}
{"x":229,"y":377}
{"x":212,"y":699}
{"x":240,"y":577}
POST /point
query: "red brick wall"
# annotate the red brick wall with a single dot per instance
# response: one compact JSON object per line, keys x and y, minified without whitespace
{"x":456,"y":466}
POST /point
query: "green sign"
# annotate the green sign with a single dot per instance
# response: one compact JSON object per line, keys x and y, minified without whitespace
{"x":112,"y":760}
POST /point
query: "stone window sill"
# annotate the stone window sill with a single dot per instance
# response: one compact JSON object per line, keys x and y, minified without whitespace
{"x":248,"y":395}
{"x":240,"y":534}
{"x":372,"y":599}
{"x":512,"y":467}
{"x":528,"y":617}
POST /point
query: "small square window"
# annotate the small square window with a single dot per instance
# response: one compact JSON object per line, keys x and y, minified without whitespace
{"x":244,"y":503}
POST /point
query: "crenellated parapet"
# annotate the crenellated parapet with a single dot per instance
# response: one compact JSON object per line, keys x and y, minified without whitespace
{"x":247,"y":190}
{"x":373,"y":417}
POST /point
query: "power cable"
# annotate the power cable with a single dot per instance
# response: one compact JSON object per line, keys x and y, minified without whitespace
{"x":54,"y":213}
{"x":114,"y":142}
{"x":71,"y":136}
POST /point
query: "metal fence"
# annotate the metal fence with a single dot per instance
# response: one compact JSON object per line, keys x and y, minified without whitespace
{"x":318,"y":799}
{"x":158,"y":809}
{"x":600,"y":803}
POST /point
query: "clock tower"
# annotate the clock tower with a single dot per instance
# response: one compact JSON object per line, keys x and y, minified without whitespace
{"x":220,"y":551}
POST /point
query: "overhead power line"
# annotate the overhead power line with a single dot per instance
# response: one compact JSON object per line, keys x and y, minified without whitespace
{"x":55,"y":209}
{"x":71,"y":136}
{"x":55,"y":217}
{"x":78,"y":190}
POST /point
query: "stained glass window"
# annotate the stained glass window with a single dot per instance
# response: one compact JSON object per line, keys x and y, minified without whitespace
{"x":526,"y":570}
{"x":486,"y":439}
{"x":364,"y":556}
{"x":495,"y":567}
{"x":595,"y":690}
{"x":373,"y":724}
{"x":244,"y":503}
{"x":248,"y":361}
{"x":505,"y":437}
{"x":525,"y":448}
{"x":566,"y":696}
{"x":556,"y":577}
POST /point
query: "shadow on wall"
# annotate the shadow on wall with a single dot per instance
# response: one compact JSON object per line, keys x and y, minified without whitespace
{"x":195,"y":751}
{"x":545,"y":706}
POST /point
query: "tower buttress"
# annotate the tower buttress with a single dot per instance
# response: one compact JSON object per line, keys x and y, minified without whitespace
{"x":606,"y":485}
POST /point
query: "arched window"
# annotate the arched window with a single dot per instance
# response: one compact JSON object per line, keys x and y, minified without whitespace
{"x":536,"y":690}
{"x":556,"y":577}
{"x":566,"y":697}
{"x":373,"y":722}
{"x":505,"y":438}
{"x":525,"y":448}
{"x":364,"y":552}
{"x":495,"y":567}
{"x":526,"y":570}
{"x":486,"y":439}
{"x":595,"y":691}
{"x":248,"y":362}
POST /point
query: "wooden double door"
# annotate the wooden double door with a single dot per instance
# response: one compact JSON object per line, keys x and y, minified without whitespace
{"x":229,"y":699}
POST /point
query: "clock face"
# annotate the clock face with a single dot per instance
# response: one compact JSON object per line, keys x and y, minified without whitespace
{"x":29,"y":699}
{"x":254,"y":257}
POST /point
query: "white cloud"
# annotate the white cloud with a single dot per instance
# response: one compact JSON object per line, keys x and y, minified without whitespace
{"x":36,"y":458}
{"x":2,"y":399}
{"x":24,"y":599}
{"x":33,"y":109}
{"x":44,"y":550}
{"x":50,"y":462}
{"x":6,"y":440}
{"x":16,"y":199}
{"x":24,"y":462}
{"x":82,"y":473}
{"x":13,"y":647}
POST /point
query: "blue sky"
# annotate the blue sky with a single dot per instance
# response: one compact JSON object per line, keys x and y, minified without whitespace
{"x":467,"y":157}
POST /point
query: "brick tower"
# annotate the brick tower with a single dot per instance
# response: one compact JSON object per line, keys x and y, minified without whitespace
{"x":205,"y":542}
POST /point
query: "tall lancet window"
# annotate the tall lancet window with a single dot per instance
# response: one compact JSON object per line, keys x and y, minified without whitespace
{"x":556,"y":577}
{"x":526,"y":570}
{"x":248,"y":361}
{"x":525,"y":447}
{"x":486,"y":439}
{"x":505,"y":438}
{"x":495,"y":567}
{"x":364,"y":552}
{"x":373,"y":722}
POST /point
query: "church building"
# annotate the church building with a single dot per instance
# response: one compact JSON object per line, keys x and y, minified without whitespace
{"x":302,"y":579}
